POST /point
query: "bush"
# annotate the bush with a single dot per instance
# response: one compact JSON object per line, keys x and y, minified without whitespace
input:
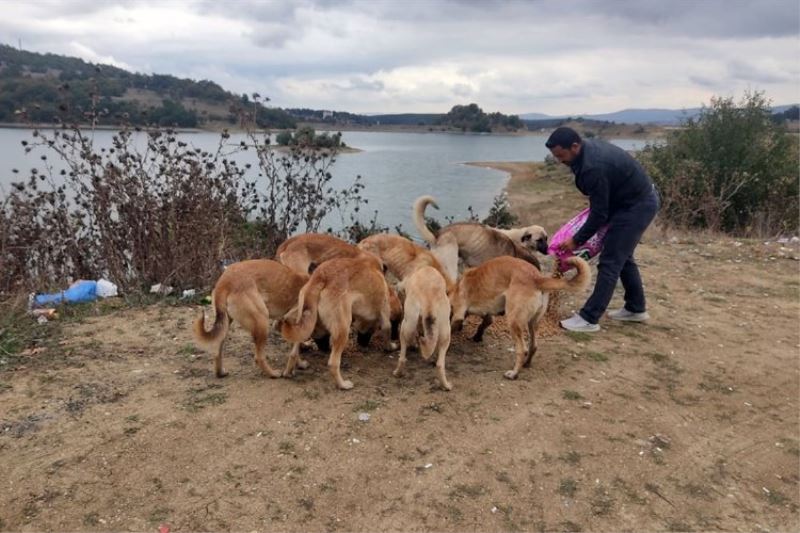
{"x":730,"y":169}
{"x":284,"y":138}
{"x":159,"y":213}
{"x":500,"y":215}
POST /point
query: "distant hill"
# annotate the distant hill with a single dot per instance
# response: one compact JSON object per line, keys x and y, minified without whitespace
{"x":639,"y":116}
{"x":41,"y":87}
{"x":465,"y":118}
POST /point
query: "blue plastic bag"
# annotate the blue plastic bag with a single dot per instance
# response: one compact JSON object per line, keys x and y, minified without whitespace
{"x":81,"y":291}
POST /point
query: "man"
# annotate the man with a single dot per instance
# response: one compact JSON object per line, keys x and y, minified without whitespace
{"x":622,"y":195}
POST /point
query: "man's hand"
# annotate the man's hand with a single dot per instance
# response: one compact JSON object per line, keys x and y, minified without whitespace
{"x":567,"y":245}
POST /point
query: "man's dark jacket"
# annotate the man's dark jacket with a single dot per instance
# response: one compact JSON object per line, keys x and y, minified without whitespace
{"x":612,"y":180}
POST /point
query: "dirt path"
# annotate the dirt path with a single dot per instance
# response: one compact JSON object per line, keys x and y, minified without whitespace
{"x":687,"y":423}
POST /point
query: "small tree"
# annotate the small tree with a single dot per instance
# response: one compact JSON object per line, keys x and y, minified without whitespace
{"x":500,"y":215}
{"x":284,"y":138}
{"x":731,"y":169}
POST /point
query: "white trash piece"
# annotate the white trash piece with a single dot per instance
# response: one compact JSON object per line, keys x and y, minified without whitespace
{"x":160,"y":289}
{"x":106,"y":289}
{"x":188,"y":293}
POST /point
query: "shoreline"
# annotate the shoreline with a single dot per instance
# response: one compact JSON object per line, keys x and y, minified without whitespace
{"x":621,"y":131}
{"x":518,"y":173}
{"x":538,"y":193}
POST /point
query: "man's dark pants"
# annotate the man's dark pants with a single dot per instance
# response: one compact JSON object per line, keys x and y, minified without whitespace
{"x":616,"y":260}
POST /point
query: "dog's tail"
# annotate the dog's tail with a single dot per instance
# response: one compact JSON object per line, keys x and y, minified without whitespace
{"x":210,"y":339}
{"x":419,"y":217}
{"x":578,"y":283}
{"x":299,"y":327}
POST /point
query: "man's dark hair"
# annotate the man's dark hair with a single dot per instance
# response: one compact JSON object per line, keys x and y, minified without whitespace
{"x":563,"y":137}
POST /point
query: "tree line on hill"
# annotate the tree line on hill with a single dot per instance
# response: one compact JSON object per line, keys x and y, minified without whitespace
{"x":44,"y":88}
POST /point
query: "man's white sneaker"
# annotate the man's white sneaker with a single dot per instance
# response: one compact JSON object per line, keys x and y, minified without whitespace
{"x":577,"y":323}
{"x":628,"y":316}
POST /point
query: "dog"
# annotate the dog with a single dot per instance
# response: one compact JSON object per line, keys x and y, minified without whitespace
{"x":304,"y":252}
{"x":249,"y":292}
{"x":402,"y":257}
{"x":513,"y":286}
{"x":340,"y":293}
{"x":476,"y":243}
{"x":426,"y":304}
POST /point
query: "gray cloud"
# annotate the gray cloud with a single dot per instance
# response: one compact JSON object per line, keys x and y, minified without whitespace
{"x":754,"y":73}
{"x":704,"y":81}
{"x":513,"y":56}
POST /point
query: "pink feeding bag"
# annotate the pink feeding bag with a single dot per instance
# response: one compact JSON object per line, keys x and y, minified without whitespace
{"x":586,"y":250}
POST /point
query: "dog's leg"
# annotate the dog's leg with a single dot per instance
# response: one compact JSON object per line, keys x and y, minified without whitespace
{"x":458,"y":310}
{"x":485,"y":323}
{"x":260,"y":336}
{"x":291,"y":362}
{"x":386,"y":325}
{"x":533,"y":323}
{"x":518,"y":334}
{"x":218,"y":370}
{"x":531,"y":343}
{"x":408,"y":329}
{"x":444,"y":344}
{"x":338,"y":343}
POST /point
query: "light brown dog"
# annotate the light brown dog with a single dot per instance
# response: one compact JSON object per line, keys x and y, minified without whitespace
{"x":249,"y":292}
{"x":518,"y":288}
{"x":302,"y":251}
{"x":425,"y":306}
{"x":476,"y":243}
{"x":402,"y":257}
{"x":340,"y":293}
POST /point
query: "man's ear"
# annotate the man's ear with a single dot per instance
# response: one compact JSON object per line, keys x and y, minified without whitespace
{"x":526,"y":237}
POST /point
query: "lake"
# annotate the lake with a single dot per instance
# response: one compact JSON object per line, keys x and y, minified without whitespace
{"x":395,"y":167}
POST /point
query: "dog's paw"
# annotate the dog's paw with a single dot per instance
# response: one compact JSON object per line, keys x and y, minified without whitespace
{"x":446,"y":385}
{"x":392,"y":346}
{"x":302,"y":364}
{"x":346,"y":384}
{"x":222,"y":374}
{"x":511,"y":374}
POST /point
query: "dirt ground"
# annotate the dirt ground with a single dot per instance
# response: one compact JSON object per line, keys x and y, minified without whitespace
{"x":687,"y":423}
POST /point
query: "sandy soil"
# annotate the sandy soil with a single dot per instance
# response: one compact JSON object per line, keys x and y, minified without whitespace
{"x":687,"y":423}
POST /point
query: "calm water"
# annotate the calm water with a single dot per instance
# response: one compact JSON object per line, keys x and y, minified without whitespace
{"x":395,"y":167}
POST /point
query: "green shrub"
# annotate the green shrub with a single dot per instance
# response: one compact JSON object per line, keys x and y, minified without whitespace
{"x":500,"y":215}
{"x":731,"y":169}
{"x":284,"y":138}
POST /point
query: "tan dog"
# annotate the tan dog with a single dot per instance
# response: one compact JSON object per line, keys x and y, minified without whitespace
{"x":340,"y":293}
{"x":425,"y":305}
{"x":402,"y":257}
{"x":476,"y":243}
{"x":302,"y":251}
{"x":518,"y":288}
{"x":249,"y":292}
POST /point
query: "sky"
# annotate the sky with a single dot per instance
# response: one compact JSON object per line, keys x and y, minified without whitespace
{"x":425,"y":56}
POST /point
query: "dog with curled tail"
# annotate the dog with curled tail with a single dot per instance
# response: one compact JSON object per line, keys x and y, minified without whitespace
{"x":512,"y":286}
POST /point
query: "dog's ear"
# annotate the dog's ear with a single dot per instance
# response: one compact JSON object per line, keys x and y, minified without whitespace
{"x":526,"y":237}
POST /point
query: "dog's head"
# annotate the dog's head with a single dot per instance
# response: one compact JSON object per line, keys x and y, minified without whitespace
{"x":535,"y":238}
